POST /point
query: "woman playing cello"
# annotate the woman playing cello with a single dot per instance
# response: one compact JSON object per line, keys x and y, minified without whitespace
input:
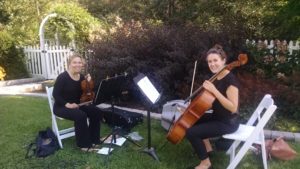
{"x":223,"y":120}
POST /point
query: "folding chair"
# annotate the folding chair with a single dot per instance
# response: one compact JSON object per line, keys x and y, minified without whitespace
{"x":60,"y":134}
{"x":252,"y":132}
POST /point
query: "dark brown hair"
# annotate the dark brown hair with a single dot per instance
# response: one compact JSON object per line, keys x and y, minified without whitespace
{"x":217,"y":49}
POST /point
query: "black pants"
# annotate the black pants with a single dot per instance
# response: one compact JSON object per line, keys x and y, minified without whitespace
{"x":207,"y":127}
{"x":85,"y":134}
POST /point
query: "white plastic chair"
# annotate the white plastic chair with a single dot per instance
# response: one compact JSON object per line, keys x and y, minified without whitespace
{"x":61,"y":134}
{"x":252,"y":132}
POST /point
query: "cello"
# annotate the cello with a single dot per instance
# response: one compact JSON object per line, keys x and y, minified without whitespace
{"x":202,"y":100}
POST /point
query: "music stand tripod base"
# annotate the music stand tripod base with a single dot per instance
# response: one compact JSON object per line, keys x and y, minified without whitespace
{"x":151,"y":152}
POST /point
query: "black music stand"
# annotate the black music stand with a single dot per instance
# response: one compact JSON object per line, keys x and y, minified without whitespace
{"x":152,"y":95}
{"x":109,"y":90}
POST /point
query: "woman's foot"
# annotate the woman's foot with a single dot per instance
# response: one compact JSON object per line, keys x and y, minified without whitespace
{"x":203,"y":167}
{"x":96,"y":145}
{"x":205,"y":164}
{"x":90,"y":149}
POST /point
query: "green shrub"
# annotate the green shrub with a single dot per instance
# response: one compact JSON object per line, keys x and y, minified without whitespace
{"x":11,"y":58}
{"x":2,"y":73}
{"x":274,"y":62}
{"x":278,"y":72}
{"x":166,"y":54}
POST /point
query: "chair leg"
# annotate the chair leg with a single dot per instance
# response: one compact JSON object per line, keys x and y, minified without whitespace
{"x":236,"y":143}
{"x":232,"y":151}
{"x":243,"y":150}
{"x":235,"y":161}
{"x":55,"y":129}
{"x":60,"y":143}
{"x":264,"y":155}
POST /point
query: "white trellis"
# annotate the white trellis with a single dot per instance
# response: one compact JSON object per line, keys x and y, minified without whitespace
{"x":291,"y":46}
{"x":48,"y":61}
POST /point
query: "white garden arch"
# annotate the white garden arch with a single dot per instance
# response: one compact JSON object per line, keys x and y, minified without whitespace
{"x":48,"y":60}
{"x":42,"y":29}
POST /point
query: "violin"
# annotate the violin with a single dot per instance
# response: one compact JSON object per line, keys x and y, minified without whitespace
{"x":202,"y":100}
{"x":87,"y":87}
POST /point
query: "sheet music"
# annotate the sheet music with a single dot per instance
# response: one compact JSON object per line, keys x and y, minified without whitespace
{"x":120,"y":141}
{"x":104,"y":150}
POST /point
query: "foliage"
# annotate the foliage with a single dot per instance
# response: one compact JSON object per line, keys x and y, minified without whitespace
{"x":71,"y":13}
{"x":274,"y":62}
{"x":4,"y":16}
{"x":247,"y":18}
{"x":289,"y":106}
{"x":238,"y":18}
{"x":251,"y":19}
{"x":285,"y":22}
{"x":22,"y":20}
{"x":164,"y":53}
{"x":156,"y":38}
{"x":11,"y":58}
{"x":287,"y":124}
{"x":2,"y":73}
{"x":25,"y":18}
{"x":127,"y":9}
{"x":277,"y":72}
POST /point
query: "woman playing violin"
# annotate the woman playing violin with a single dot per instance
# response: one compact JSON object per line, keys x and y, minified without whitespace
{"x":223,"y":120}
{"x":67,"y":93}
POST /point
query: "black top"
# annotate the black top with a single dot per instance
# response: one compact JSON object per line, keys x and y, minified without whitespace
{"x":67,"y":90}
{"x":219,"y":112}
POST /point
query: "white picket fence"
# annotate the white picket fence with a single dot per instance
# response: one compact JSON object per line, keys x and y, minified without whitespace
{"x":53,"y":60}
{"x":48,"y":63}
{"x":291,"y":46}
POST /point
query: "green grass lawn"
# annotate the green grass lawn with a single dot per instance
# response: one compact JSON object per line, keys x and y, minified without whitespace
{"x":22,"y":117}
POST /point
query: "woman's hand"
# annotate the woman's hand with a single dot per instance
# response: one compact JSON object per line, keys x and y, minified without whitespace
{"x":88,"y":77}
{"x":209,"y":86}
{"x":72,"y":105}
{"x":229,"y":101}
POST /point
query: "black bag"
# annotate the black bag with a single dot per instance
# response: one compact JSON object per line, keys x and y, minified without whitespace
{"x":122,"y":118}
{"x":45,"y":144}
